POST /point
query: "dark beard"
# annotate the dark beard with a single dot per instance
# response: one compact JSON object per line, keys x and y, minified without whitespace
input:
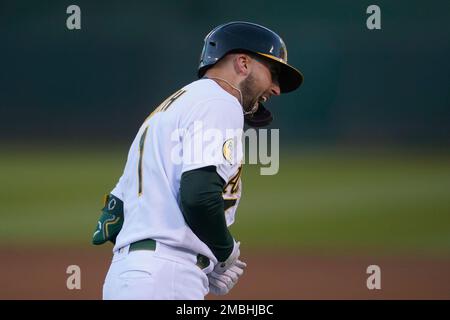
{"x":249,"y":96}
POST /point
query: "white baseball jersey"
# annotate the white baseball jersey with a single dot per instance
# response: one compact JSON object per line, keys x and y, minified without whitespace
{"x":200,"y":125}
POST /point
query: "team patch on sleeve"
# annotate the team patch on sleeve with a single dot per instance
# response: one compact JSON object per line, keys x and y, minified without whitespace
{"x":228,"y":150}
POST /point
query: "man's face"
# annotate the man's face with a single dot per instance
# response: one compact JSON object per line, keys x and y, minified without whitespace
{"x":260,"y":84}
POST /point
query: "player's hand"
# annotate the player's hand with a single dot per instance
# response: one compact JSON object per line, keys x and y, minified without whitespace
{"x":222,"y":283}
{"x":221,"y":267}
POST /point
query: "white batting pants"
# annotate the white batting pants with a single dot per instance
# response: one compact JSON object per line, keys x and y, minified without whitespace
{"x":163,"y":274}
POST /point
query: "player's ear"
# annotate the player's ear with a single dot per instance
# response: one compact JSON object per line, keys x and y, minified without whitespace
{"x":242,"y":64}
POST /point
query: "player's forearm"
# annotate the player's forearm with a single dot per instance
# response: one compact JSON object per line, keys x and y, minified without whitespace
{"x":203,"y":209}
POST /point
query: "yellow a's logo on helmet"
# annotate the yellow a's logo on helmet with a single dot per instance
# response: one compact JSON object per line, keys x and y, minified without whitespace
{"x":228,"y":150}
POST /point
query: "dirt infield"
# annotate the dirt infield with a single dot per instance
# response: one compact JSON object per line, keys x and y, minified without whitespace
{"x":41,"y":274}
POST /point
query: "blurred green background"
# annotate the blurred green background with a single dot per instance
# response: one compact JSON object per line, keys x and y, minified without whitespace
{"x":389,"y":202}
{"x":364,"y":160}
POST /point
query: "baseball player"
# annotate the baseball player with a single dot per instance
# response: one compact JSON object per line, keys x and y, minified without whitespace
{"x":169,"y":213}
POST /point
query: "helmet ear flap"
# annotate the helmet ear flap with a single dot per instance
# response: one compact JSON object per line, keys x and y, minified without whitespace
{"x":261,"y":118}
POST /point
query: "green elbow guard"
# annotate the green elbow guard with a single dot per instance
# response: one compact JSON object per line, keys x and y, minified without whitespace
{"x":110,"y":222}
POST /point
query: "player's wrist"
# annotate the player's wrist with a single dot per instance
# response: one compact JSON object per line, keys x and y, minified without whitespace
{"x":222,"y":266}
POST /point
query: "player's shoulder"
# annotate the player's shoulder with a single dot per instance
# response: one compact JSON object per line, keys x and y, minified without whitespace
{"x":207,"y":95}
{"x":206,"y":89}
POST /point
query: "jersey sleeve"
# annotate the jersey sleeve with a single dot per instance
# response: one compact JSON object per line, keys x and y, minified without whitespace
{"x":212,"y":136}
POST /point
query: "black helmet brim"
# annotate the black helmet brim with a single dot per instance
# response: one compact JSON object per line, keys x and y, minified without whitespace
{"x":289,"y":78}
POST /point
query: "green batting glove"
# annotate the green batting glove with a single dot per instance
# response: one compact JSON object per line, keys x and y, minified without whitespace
{"x":110,"y":221}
